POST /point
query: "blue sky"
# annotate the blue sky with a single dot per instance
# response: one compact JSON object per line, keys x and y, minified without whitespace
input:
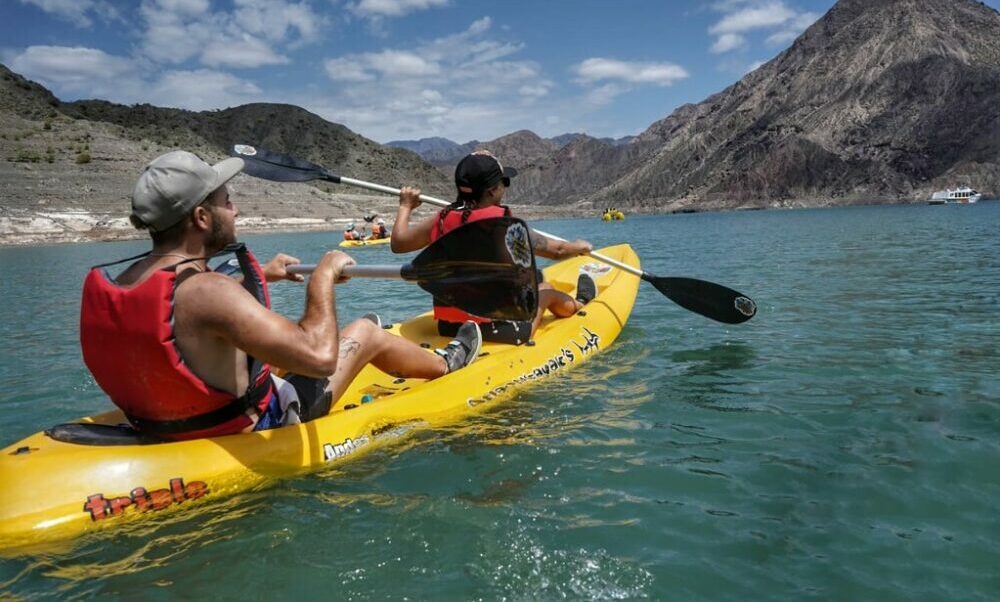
{"x":402,"y":69}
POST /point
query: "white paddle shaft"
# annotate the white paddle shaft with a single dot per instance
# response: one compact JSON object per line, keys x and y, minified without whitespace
{"x":354,"y":271}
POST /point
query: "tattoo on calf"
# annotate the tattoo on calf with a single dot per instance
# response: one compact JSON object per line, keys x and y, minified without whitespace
{"x":348,"y":347}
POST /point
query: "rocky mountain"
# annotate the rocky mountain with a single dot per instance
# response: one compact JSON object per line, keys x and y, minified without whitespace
{"x":436,"y":150}
{"x":67,"y":169}
{"x":564,"y":139}
{"x":520,"y":148}
{"x":876,"y":101}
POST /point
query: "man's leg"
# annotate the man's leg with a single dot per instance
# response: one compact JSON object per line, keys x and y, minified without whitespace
{"x":362,"y":342}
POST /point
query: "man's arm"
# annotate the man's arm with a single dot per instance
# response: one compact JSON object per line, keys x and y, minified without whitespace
{"x":558,"y":249}
{"x":405,"y":237}
{"x":218,"y":306}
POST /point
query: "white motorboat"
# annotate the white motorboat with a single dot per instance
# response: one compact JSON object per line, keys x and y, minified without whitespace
{"x":962,"y":194}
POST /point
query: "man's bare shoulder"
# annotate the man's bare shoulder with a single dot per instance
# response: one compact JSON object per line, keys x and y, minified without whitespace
{"x":208,"y":293}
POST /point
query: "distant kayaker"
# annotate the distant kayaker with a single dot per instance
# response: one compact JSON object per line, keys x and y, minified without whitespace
{"x":185,"y":351}
{"x":481,"y":182}
{"x":351,"y":233}
{"x":379,"y":230}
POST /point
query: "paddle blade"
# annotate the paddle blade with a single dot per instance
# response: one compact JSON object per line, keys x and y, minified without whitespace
{"x":711,"y":300}
{"x":267,"y":165}
{"x":485,"y":268}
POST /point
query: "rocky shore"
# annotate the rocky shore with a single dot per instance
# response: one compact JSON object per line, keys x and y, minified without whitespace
{"x":265,"y":207}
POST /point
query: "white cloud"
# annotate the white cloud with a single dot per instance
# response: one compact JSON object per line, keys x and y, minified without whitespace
{"x":399,"y":63}
{"x":463,"y":85}
{"x":177,"y":31}
{"x":727,"y":42}
{"x":392,"y":8}
{"x":599,"y":69}
{"x":203,"y":89}
{"x":77,"y":11}
{"x":743,"y":16}
{"x":753,"y":17}
{"x":347,"y":69}
{"x":76,"y":68}
{"x":190,"y":8}
{"x":90,"y":73}
{"x":753,"y":67}
{"x":246,"y":52}
{"x":274,"y":20}
{"x":534,"y":90}
{"x":604,"y":95}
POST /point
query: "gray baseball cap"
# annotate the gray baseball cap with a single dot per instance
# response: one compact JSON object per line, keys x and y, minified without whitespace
{"x":172,"y":185}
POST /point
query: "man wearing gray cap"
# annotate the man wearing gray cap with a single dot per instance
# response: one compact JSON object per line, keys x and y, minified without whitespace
{"x":186,"y":351}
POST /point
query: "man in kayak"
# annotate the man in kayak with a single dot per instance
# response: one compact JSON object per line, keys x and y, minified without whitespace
{"x":379,"y":230}
{"x":185,"y":351}
{"x":350,"y":233}
{"x":482,"y":181}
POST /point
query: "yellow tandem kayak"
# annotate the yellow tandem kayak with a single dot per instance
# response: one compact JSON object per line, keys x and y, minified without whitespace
{"x":364,"y":243}
{"x":53,"y":490}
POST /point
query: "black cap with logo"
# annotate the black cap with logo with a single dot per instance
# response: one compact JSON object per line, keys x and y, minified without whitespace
{"x":479,"y":172}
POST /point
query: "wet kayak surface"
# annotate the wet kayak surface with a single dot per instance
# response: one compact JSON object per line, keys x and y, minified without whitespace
{"x":842,"y":443}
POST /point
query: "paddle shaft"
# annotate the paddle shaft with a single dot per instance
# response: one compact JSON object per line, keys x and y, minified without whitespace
{"x":442,"y":203}
{"x":393,"y":272}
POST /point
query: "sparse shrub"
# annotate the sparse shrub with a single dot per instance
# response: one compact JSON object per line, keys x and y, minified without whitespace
{"x":83,"y":157}
{"x":47,"y":125}
{"x":27,"y":156}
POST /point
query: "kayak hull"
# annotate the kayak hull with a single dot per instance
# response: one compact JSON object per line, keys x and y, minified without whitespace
{"x":364,"y":243}
{"x":90,"y":487}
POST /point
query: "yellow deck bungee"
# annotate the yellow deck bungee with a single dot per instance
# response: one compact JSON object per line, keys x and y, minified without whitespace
{"x":52,"y":490}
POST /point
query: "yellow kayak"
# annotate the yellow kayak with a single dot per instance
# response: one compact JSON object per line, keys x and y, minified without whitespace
{"x":364,"y":243}
{"x":52,"y":490}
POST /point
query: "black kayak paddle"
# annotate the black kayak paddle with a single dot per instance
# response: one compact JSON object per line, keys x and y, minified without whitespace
{"x":720,"y":303}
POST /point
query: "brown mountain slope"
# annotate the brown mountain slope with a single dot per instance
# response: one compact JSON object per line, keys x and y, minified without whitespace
{"x":285,"y":128}
{"x":883,"y":100}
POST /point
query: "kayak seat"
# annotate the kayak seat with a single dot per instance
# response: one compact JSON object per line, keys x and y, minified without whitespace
{"x":315,"y":400}
{"x":98,"y":434}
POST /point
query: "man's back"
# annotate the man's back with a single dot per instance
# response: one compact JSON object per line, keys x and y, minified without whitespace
{"x":211,"y":357}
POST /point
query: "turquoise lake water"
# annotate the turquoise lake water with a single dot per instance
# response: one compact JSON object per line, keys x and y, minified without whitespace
{"x":842,"y":444}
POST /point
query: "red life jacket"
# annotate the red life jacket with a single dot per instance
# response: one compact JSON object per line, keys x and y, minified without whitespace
{"x":129,"y":346}
{"x":448,"y":220}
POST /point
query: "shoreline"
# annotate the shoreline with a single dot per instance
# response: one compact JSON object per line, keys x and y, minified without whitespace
{"x":75,"y":226}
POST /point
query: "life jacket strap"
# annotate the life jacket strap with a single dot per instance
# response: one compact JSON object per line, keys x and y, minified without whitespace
{"x":218,"y":416}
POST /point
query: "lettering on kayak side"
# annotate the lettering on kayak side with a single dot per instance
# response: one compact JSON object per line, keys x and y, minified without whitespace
{"x":101,"y":508}
{"x":565,"y":357}
{"x":349,"y":446}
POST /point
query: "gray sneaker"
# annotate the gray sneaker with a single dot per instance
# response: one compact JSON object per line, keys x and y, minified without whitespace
{"x":464,"y":348}
{"x":586,"y":288}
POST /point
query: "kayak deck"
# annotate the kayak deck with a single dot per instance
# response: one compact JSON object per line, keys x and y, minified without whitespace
{"x":90,"y":486}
